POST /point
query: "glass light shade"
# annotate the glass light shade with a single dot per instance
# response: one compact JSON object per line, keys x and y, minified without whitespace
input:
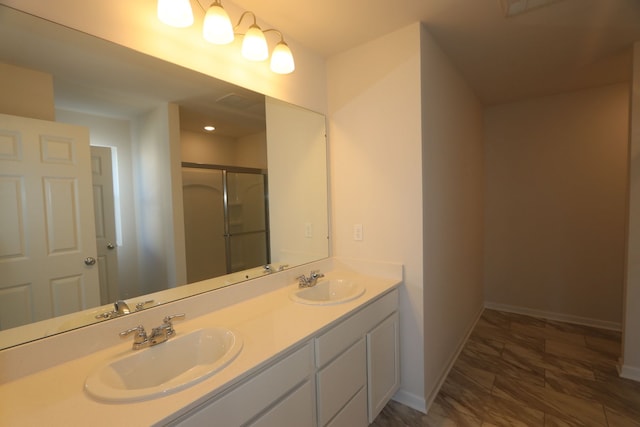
{"x":254,"y":45}
{"x":217,"y":26}
{"x":282,"y":59}
{"x":176,"y":13}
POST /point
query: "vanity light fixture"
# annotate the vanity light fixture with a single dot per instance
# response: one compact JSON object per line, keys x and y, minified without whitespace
{"x":217,"y":29}
{"x":209,"y":128}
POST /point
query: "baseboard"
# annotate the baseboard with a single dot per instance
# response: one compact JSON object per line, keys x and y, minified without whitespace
{"x":629,"y":372}
{"x":411,"y":400}
{"x":452,"y":361}
{"x":585,"y":321}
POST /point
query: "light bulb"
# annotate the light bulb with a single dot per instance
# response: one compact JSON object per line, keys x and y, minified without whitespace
{"x":217,"y":27}
{"x":282,"y":59}
{"x":176,"y":13}
{"x":254,"y":45}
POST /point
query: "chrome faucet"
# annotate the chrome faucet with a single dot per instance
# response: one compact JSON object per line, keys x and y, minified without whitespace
{"x":308,"y":282}
{"x":158,"y":335}
{"x":120,"y":308}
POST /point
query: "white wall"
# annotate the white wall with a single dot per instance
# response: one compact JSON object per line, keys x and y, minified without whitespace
{"x":555,"y":204}
{"x":153,"y":157}
{"x":630,"y":341}
{"x":406,"y":162}
{"x":375,"y":151}
{"x":452,"y":175}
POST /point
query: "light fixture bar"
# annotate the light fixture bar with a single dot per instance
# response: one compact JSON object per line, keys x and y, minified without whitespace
{"x":217,"y":29}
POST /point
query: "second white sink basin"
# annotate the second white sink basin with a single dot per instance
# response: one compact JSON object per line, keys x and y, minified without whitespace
{"x":327,"y":292}
{"x":164,"y":368}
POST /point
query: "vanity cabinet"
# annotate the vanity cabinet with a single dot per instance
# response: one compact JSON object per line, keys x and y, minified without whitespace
{"x":341,"y":378}
{"x":358,"y":365}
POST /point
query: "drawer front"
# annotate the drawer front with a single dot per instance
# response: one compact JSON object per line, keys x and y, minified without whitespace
{"x":339,"y":338}
{"x":257,"y":394}
{"x":297,"y":409}
{"x":339,"y":381}
{"x":354,"y":414}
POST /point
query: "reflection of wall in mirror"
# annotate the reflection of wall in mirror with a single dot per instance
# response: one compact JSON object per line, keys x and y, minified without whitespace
{"x":297,"y":190}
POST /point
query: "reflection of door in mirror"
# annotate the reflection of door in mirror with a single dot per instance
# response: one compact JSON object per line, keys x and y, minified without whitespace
{"x":47,"y":240}
{"x":104,"y":210}
{"x":224,"y":219}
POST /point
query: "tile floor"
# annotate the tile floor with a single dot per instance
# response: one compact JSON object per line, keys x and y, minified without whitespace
{"x":518,"y":370}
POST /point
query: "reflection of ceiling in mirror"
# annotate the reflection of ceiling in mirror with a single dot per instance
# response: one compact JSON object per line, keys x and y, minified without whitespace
{"x":114,"y":81}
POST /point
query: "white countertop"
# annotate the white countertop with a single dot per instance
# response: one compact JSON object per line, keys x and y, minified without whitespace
{"x":270,"y":325}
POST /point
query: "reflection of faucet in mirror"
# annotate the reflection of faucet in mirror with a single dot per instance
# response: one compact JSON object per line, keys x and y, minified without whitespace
{"x":120,"y":308}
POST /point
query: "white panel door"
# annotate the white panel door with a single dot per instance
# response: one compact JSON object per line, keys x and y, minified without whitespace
{"x":46,"y":221}
{"x":105,"y":219}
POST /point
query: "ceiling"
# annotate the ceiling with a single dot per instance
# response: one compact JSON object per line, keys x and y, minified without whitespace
{"x":567,"y":45}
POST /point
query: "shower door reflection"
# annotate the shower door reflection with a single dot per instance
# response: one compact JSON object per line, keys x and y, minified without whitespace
{"x":225,"y":212}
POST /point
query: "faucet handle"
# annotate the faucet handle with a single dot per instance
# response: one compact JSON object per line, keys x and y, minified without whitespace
{"x":169,"y":318}
{"x":139,"y":329}
{"x":141,"y":305}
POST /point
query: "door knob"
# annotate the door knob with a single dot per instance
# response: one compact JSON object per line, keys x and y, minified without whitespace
{"x":90,"y":260}
{"x":110,"y":246}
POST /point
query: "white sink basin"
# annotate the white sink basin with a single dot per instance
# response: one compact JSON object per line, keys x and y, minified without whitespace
{"x":164,"y":368}
{"x":327,"y":292}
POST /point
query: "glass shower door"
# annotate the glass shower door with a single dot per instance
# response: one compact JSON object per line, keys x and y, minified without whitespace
{"x":246,"y":214}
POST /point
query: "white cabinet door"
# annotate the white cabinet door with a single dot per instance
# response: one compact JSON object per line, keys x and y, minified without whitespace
{"x":383,"y":364}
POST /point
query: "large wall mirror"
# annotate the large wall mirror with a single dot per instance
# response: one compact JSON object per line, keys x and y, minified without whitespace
{"x":174,"y":210}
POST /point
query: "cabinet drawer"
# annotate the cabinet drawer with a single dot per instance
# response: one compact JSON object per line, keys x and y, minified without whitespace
{"x":256,"y":395}
{"x":354,"y":414}
{"x":297,"y":409}
{"x":339,"y":338}
{"x":339,"y":381}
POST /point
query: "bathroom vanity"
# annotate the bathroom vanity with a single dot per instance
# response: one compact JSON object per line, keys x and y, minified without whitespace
{"x":315,"y":364}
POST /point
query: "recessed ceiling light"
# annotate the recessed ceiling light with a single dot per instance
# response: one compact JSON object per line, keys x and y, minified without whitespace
{"x":209,"y":128}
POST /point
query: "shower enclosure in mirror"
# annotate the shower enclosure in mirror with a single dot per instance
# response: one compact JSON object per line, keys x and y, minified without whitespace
{"x":225,"y":220}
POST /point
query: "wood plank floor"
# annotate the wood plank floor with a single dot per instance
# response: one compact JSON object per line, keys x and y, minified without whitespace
{"x":518,"y":370}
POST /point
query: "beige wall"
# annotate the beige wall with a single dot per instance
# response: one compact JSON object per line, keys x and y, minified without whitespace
{"x":26,"y":93}
{"x":248,"y":152}
{"x":452,"y":206}
{"x":555,"y":204}
{"x":631,"y":340}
